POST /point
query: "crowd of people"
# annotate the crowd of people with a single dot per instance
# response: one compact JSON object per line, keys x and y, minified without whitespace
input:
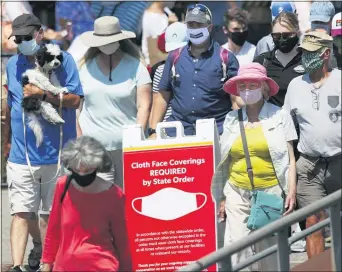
{"x":276,"y":103}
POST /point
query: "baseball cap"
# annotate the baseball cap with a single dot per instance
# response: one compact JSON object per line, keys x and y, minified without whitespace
{"x":316,"y":40}
{"x":175,"y":36}
{"x":321,"y":11}
{"x":336,"y":28}
{"x":278,"y":7}
{"x":24,"y":25}
{"x":198,"y":13}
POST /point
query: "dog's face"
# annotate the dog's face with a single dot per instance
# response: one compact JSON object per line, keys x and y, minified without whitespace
{"x":49,"y":56}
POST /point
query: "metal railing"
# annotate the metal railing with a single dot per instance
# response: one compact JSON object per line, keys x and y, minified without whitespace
{"x":332,"y":201}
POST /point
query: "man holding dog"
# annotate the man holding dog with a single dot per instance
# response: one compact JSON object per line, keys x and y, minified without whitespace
{"x":31,"y":185}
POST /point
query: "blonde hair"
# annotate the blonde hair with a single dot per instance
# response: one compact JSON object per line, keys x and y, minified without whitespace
{"x":288,"y":20}
{"x":126,"y":46}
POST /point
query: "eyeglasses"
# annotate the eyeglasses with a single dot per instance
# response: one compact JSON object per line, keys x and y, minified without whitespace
{"x":20,"y":39}
{"x":284,"y":35}
{"x":315,"y":100}
{"x":201,"y":7}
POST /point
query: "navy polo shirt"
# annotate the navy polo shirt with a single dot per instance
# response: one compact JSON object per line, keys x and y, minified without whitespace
{"x":197,"y":89}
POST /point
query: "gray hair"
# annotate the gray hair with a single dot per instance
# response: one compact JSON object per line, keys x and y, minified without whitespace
{"x":87,"y":152}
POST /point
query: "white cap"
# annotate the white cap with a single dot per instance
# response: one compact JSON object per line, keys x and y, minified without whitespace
{"x":336,"y":25}
{"x":175,"y":36}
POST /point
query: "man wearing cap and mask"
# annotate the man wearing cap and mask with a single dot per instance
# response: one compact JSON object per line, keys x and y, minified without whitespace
{"x":31,"y":184}
{"x":314,"y":100}
{"x":195,"y":74}
{"x":321,"y":14}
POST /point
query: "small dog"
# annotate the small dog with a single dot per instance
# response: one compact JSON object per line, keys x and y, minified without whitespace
{"x":48,"y":58}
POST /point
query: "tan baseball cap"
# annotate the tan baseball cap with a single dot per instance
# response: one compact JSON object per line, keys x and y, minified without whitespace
{"x":316,"y":40}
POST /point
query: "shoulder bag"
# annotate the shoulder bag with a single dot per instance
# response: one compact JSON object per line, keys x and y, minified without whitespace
{"x":265,"y":207}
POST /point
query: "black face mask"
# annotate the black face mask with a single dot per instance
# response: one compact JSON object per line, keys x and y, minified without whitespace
{"x":85,"y":180}
{"x":238,"y":38}
{"x":286,"y":45}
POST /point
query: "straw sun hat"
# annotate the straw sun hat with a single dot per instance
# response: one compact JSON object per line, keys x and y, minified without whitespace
{"x":107,"y":30}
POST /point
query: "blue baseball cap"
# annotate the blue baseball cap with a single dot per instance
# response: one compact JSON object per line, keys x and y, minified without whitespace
{"x":278,"y":7}
{"x":322,"y":11}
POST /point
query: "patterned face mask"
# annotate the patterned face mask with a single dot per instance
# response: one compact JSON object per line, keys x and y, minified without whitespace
{"x":312,"y":61}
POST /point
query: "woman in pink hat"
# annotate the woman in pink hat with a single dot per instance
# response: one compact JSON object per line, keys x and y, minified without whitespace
{"x":269,"y":132}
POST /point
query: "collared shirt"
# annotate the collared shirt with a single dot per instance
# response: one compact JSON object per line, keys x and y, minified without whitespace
{"x":47,"y":152}
{"x":197,"y":87}
{"x":280,"y":74}
{"x":318,"y":113}
{"x":278,"y":128}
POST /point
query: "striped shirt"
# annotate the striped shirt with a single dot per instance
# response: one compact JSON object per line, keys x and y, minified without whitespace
{"x":155,"y":88}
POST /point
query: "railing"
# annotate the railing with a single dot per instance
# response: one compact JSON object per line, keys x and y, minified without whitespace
{"x":333,"y":202}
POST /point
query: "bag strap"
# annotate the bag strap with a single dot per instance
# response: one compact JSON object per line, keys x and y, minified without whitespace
{"x":174,"y":57}
{"x":245,"y":149}
{"x":67,"y":184}
{"x":224,"y":56}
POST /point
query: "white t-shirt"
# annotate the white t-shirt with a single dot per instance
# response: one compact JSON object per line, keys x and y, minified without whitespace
{"x":108,"y":106}
{"x":153,"y":24}
{"x":246,"y":53}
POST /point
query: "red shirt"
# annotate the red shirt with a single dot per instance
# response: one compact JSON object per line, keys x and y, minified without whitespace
{"x":87,"y":232}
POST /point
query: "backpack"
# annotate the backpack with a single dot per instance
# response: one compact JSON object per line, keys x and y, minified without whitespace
{"x":223,"y":56}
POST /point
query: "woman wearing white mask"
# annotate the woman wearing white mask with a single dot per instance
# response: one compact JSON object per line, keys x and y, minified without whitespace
{"x":117,"y":89}
{"x":269,"y":132}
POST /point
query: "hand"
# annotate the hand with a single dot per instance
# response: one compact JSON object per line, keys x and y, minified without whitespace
{"x":222,"y":212}
{"x":3,"y":119}
{"x":290,"y":203}
{"x":32,"y":90}
{"x":173,"y":18}
{"x":46,"y":268}
{"x":152,"y":136}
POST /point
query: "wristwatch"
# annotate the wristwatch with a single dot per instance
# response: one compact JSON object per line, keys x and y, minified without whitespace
{"x":44,"y":96}
{"x":151,"y":131}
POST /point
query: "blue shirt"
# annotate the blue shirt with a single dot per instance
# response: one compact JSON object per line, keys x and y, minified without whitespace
{"x":82,"y":14}
{"x":47,"y":152}
{"x":198,"y":92}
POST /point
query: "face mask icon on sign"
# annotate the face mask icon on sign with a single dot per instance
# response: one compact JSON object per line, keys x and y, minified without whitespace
{"x":169,"y":204}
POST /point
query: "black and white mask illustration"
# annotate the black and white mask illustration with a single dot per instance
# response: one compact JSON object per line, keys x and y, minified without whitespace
{"x":169,"y":204}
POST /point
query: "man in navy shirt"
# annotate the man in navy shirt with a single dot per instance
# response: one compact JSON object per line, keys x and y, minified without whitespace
{"x":31,"y":185}
{"x":195,"y":76}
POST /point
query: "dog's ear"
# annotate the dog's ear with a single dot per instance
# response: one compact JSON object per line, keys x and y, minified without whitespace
{"x":41,"y":55}
{"x":24,"y":80}
{"x":60,"y":57}
{"x":30,"y":104}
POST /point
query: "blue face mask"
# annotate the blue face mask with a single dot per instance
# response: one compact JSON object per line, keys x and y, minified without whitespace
{"x":28,"y":48}
{"x":315,"y":26}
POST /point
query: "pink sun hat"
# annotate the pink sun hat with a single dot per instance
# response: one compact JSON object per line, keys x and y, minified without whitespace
{"x":252,"y":71}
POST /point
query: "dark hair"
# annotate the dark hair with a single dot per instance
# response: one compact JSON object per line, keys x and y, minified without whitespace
{"x":236,"y":14}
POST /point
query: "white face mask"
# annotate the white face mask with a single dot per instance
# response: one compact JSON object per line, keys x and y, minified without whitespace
{"x":169,"y":204}
{"x":28,"y":48}
{"x":250,"y":97}
{"x":197,"y":35}
{"x":109,"y":49}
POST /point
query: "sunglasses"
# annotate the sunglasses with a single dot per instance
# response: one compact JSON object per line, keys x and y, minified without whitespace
{"x":20,"y":39}
{"x":284,"y":35}
{"x":201,"y":7}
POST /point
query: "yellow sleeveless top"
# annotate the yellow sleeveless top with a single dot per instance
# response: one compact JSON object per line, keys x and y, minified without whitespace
{"x":264,"y":174}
